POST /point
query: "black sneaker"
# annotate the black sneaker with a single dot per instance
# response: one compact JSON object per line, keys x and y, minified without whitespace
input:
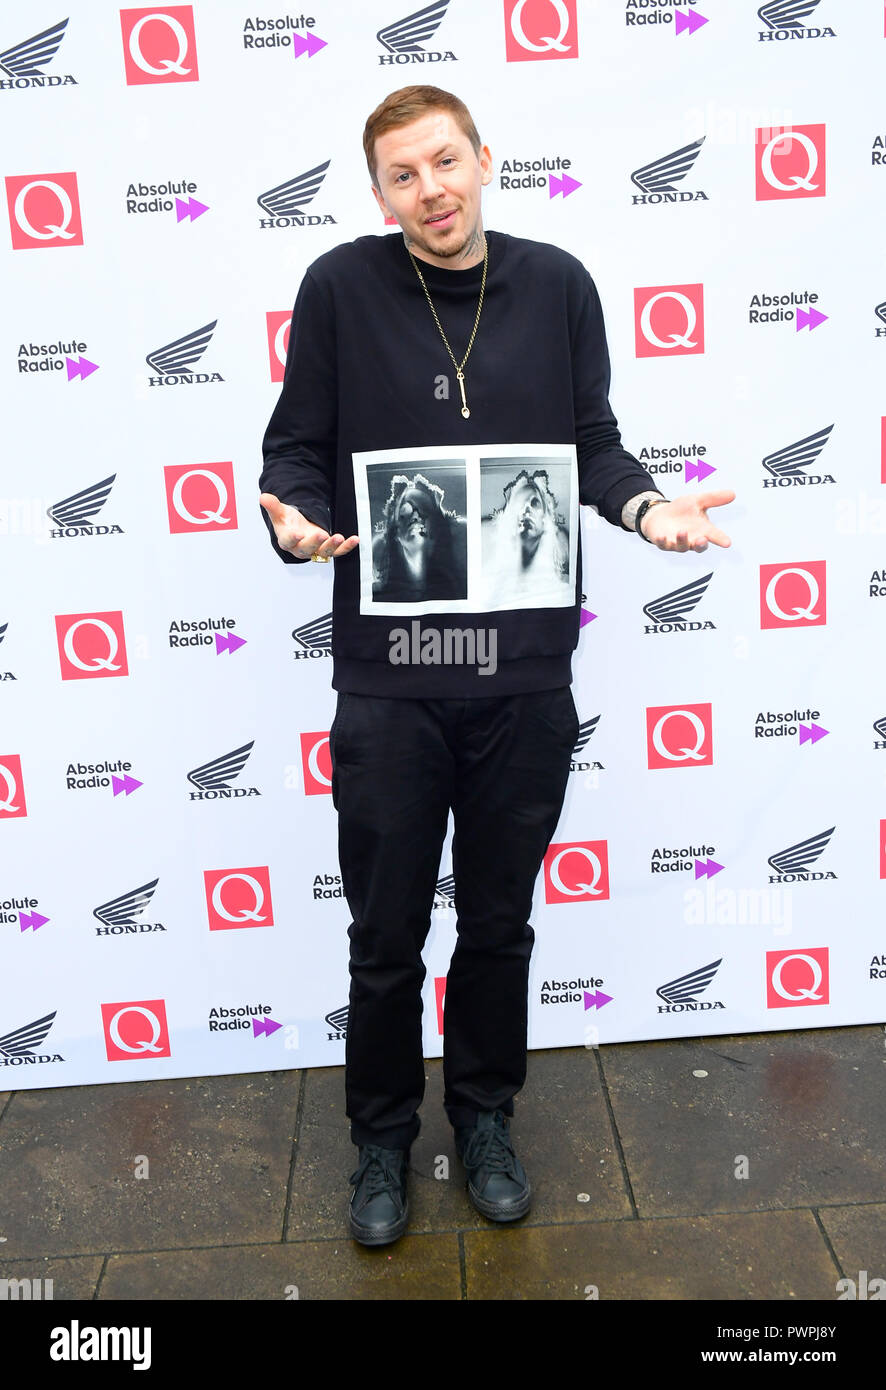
{"x":379,"y":1211}
{"x":497,"y":1182}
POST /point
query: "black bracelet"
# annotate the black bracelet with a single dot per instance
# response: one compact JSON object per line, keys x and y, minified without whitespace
{"x":641,"y":512}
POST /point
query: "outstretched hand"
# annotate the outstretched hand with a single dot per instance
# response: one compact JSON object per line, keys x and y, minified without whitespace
{"x":301,"y":537}
{"x":683,"y":524}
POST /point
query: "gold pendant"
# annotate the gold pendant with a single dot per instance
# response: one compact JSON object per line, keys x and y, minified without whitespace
{"x":464,"y":405}
{"x":465,"y":412}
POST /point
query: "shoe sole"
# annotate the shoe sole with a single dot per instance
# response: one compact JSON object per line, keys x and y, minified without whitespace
{"x":366,"y":1235}
{"x":496,"y":1211}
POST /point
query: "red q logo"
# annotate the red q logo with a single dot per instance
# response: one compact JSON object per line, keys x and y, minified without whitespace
{"x":440,"y":997}
{"x":136,"y":1031}
{"x":679,"y":736}
{"x":669,"y":320}
{"x":278,"y":340}
{"x":238,"y":898}
{"x":12,"y":791}
{"x":577,"y":872}
{"x":316,"y":763}
{"x":159,"y":45}
{"x":200,"y":497}
{"x":793,"y":595}
{"x":91,"y":645}
{"x":537,"y":29}
{"x":44,"y":210}
{"x":790,"y":162}
{"x":797,"y":978}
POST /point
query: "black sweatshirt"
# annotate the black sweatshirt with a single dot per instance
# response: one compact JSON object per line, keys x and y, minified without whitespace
{"x":468,"y":526}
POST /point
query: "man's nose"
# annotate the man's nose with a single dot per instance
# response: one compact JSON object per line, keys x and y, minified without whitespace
{"x":430,"y":186}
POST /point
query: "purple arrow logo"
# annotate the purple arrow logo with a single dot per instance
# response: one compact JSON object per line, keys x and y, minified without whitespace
{"x":596,"y":1000}
{"x":586,"y":617}
{"x":31,"y":919}
{"x":229,"y":643}
{"x":191,"y":209}
{"x":125,"y":784}
{"x":309,"y":43}
{"x":264,"y":1025}
{"x":706,"y":868}
{"x":811,"y":733}
{"x":564,"y":185}
{"x":810,"y":319}
{"x":690,"y":21}
{"x":81,"y":368}
{"x":698,"y":470}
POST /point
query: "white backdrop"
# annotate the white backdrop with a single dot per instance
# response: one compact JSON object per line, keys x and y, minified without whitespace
{"x":229,"y":908}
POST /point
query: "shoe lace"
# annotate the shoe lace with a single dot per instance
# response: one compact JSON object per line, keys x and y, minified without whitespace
{"x":381,"y":1168}
{"x":491,"y":1148}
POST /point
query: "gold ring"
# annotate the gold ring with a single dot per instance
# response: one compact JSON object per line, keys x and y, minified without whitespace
{"x":321,"y":559}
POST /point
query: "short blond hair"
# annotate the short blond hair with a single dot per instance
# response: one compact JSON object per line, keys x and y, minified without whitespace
{"x":409,"y":104}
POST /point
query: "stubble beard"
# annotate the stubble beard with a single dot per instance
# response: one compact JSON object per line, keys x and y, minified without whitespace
{"x":473,"y":244}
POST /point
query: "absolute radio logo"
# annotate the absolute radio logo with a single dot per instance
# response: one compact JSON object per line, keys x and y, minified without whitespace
{"x":404,"y":39}
{"x":164,"y":197}
{"x":56,"y":357}
{"x":91,"y":646}
{"x":577,"y":871}
{"x":173,"y":362}
{"x":326,"y":886}
{"x":679,"y":736}
{"x":44,"y":210}
{"x":12,"y":789}
{"x":136,"y":1030}
{"x":685,"y":858}
{"x":670,"y":612}
{"x":790,"y":162}
{"x":6,"y":675}
{"x":285,"y":204}
{"x":681,"y":995}
{"x":95,"y":776}
{"x":687,"y":459}
{"x":122,"y":916}
{"x":669,"y":320}
{"x":787,"y":467}
{"x":205,"y":632}
{"x":200,"y":497}
{"x":159,"y":45}
{"x":685,"y":21}
{"x":586,"y":728}
{"x":540,"y":29}
{"x":278,"y":322}
{"x":784,"y":20}
{"x":791,"y":865}
{"x":316,"y":763}
{"x":284,"y":32}
{"x":229,"y":1018}
{"x":657,"y":181}
{"x":584,"y":990}
{"x":790,"y":724}
{"x":878,"y":149}
{"x":238,"y":898}
{"x":211,"y":780}
{"x":877,"y":584}
{"x":23,"y":63}
{"x":21,"y":911}
{"x":797,"y":978}
{"x":73,"y":516}
{"x":314,"y":639}
{"x":539,"y":173}
{"x":18,"y":1047}
{"x":793,"y":595}
{"x":787,"y":308}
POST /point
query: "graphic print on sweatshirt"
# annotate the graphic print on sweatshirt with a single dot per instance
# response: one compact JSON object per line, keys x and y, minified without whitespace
{"x":474,"y":530}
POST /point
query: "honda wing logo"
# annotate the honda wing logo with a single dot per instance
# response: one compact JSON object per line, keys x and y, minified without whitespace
{"x":687,"y":988}
{"x":407,"y":35}
{"x":22,"y":1041}
{"x":338,"y":1022}
{"x":786,"y":14}
{"x":673,"y":607}
{"x":122,"y":911}
{"x":661,"y":175}
{"x":584,"y":733}
{"x":879,"y":726}
{"x":790,"y":461}
{"x":288,"y":199}
{"x":77,"y":512}
{"x":796,"y":859}
{"x":177,"y":359}
{"x":316,"y":637}
{"x":444,"y":893}
{"x":215,"y":776}
{"x":26,"y":59}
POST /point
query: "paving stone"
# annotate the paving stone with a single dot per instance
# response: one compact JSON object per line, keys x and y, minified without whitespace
{"x":806,"y":1109}
{"x":758,"y":1255}
{"x":219,"y":1151}
{"x":415,"y":1267}
{"x":858,"y":1235}
{"x":74,"y":1278}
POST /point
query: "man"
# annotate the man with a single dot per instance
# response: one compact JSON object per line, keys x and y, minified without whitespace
{"x":373,"y":388}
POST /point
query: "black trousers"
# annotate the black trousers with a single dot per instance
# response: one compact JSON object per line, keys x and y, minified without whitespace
{"x":398,"y":765}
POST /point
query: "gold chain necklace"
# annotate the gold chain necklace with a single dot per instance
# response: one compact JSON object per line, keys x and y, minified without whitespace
{"x":459,"y":368}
